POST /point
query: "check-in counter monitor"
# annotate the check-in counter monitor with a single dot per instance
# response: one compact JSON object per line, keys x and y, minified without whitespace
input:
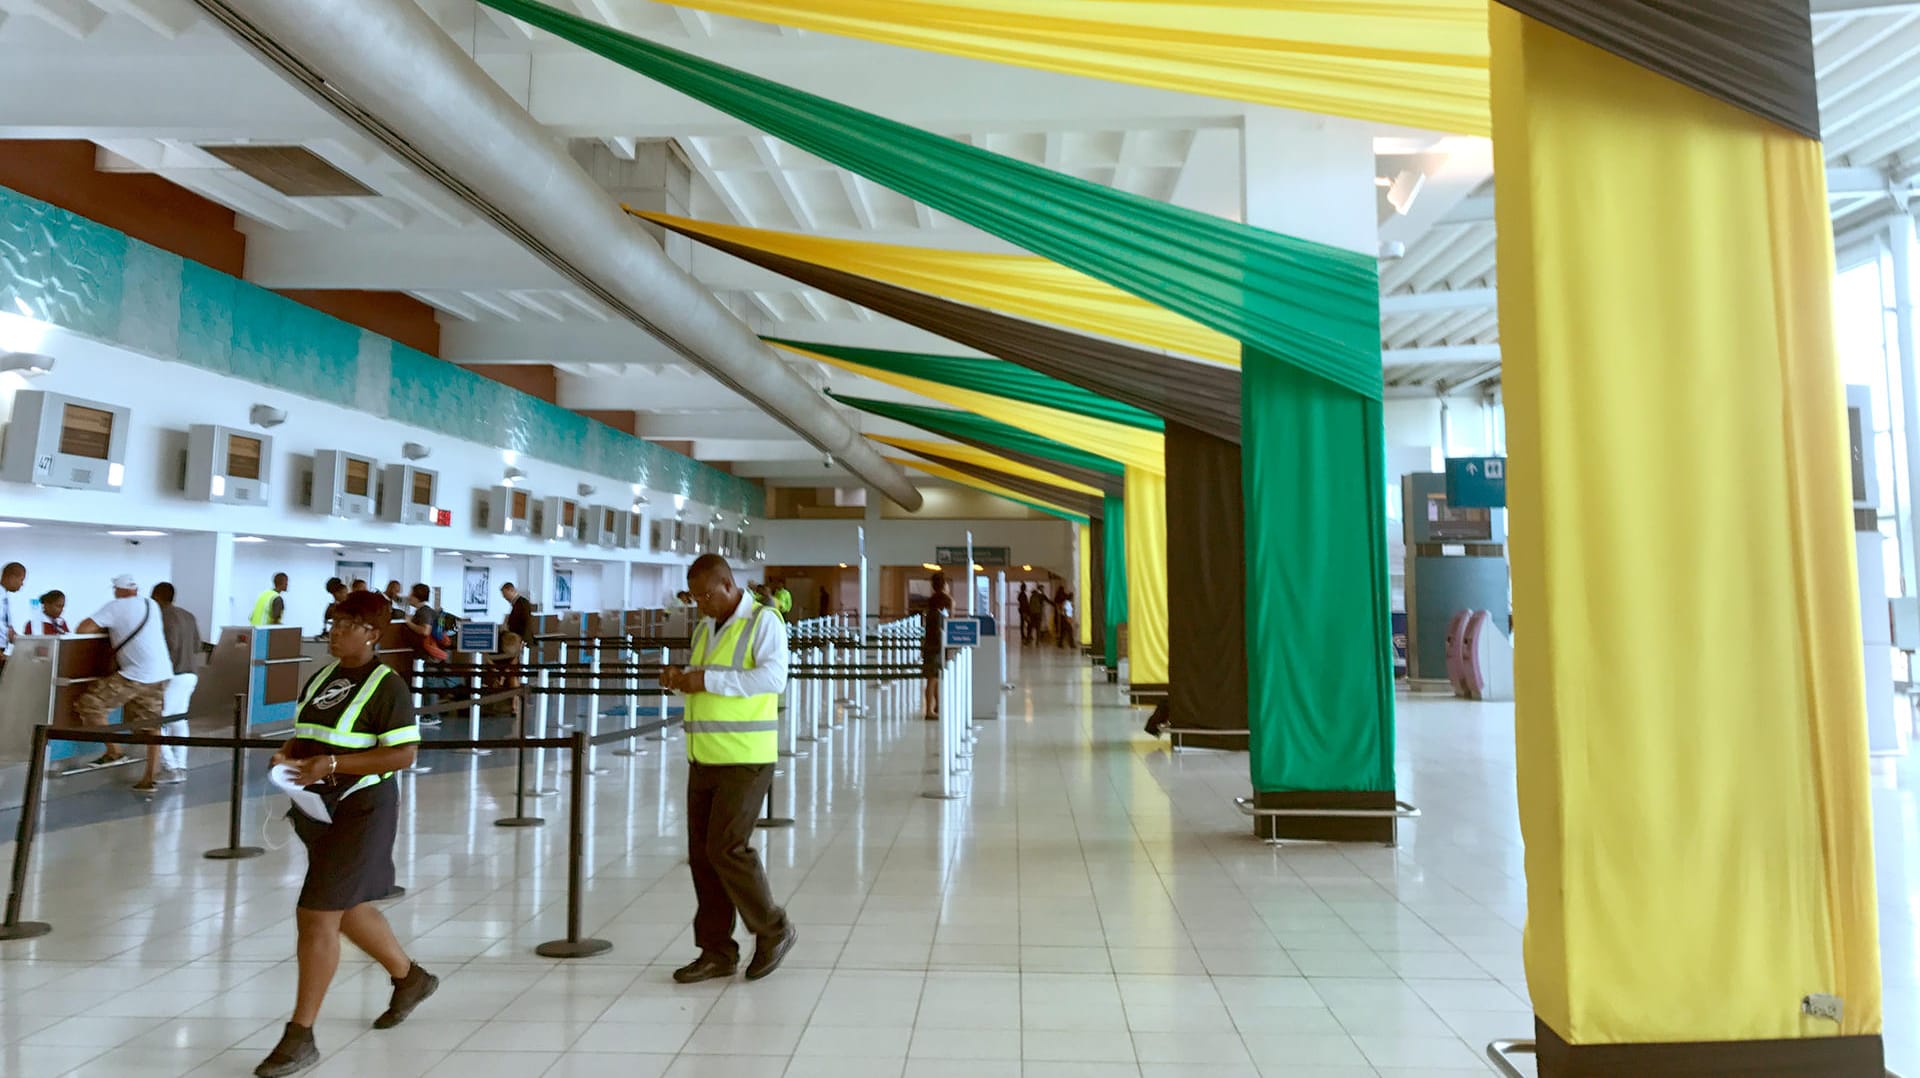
{"x":59,"y":441}
{"x":411,"y":495}
{"x":343,"y":485}
{"x":228,"y":466}
{"x":506,"y":510}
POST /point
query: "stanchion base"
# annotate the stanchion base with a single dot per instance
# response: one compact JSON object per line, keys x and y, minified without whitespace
{"x":25,"y":930}
{"x":233,"y":853}
{"x":418,"y":769}
{"x":474,"y":752}
{"x":630,"y":752}
{"x":941,"y":797}
{"x":429,"y":721}
{"x":804,"y":737}
{"x":573,"y":948}
{"x":521,"y":821}
{"x":795,"y":755}
{"x":773,"y":821}
{"x":541,"y":793}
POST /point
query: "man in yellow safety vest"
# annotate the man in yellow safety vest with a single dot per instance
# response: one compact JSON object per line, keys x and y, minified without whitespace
{"x":271,"y":605}
{"x":733,"y":687}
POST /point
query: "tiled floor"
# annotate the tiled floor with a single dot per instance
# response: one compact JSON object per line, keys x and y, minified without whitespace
{"x":1093,"y":909}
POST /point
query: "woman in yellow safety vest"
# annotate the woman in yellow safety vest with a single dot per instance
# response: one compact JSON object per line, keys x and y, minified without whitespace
{"x":355,"y":729}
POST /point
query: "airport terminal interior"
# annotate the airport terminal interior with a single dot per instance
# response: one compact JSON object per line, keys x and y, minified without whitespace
{"x":1161,"y":568}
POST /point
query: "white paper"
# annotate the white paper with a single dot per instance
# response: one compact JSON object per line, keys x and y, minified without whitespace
{"x":308,"y":802}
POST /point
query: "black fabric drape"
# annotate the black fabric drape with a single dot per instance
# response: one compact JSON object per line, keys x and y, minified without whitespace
{"x":1202,"y":395}
{"x":1087,"y":505}
{"x":1755,"y":55}
{"x":1206,"y":586}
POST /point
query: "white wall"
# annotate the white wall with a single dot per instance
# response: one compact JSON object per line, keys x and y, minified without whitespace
{"x":81,"y":564}
{"x":1048,"y":543}
{"x":167,"y":397}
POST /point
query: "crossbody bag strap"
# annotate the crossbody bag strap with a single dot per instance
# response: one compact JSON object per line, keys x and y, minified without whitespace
{"x":146,"y":615}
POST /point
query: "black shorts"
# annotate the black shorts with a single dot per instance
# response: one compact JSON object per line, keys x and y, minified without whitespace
{"x":350,"y":860}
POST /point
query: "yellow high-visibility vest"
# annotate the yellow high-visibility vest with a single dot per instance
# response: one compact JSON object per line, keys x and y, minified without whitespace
{"x":783,"y":600}
{"x":732,"y":729}
{"x":342,"y":735}
{"x":263,"y":608}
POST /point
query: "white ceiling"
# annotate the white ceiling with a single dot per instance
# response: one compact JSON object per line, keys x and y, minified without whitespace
{"x":151,"y":80}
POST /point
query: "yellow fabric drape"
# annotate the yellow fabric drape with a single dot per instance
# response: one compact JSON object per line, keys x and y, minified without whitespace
{"x":1691,"y":719}
{"x":1083,"y":585}
{"x":965,"y":480}
{"x":1024,"y":285}
{"x":1146,"y":498}
{"x":983,"y":459}
{"x":1130,"y":446}
{"x":1421,"y":63}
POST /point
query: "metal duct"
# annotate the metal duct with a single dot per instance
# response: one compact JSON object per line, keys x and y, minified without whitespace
{"x":388,"y":68}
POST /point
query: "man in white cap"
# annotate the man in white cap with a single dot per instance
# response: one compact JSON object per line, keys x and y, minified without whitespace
{"x":135,"y":627}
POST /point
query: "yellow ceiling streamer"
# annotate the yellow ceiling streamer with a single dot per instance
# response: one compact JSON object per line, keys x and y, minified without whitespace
{"x":982,"y":459}
{"x":943,"y":472}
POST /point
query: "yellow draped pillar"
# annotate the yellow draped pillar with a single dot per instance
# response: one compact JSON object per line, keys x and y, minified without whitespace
{"x":1083,"y":587}
{"x":1146,"y":512}
{"x":1690,"y":720}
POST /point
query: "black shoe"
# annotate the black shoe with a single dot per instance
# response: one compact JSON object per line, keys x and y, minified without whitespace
{"x":708,"y":967}
{"x":767,"y":956}
{"x":408,"y":992}
{"x":295,"y":1053}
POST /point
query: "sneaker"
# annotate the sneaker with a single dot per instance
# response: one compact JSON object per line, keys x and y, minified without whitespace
{"x":708,"y":967}
{"x":172,"y":776}
{"x":295,"y":1053}
{"x":408,"y":992}
{"x":768,"y":955}
{"x":108,"y":759}
{"x":144,"y":787}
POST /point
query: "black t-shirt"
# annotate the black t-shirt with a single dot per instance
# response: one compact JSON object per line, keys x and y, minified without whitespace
{"x":390,"y":708}
{"x":938,"y":607}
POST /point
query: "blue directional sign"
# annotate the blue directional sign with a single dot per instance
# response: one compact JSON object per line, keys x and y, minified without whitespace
{"x":963,"y":632}
{"x":478,"y":636}
{"x":1477,"y":482}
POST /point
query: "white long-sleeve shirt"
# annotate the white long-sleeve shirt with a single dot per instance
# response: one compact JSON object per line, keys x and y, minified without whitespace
{"x":769,"y":673}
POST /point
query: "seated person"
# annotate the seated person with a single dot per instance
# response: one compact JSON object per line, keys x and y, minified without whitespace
{"x":49,"y":622}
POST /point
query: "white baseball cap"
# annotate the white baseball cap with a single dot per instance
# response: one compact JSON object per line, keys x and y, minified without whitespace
{"x":125,"y":582}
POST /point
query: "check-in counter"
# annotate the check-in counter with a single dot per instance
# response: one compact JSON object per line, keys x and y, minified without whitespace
{"x":39,"y":685}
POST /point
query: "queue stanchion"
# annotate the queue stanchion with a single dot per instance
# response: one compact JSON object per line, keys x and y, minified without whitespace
{"x":665,"y":699}
{"x":541,"y":684}
{"x":13,"y":928}
{"x":790,"y":719}
{"x":236,"y":794}
{"x":632,"y":681}
{"x":473,"y":714}
{"x":942,"y":784}
{"x":520,"y":817}
{"x":417,"y":669}
{"x":576,"y":945}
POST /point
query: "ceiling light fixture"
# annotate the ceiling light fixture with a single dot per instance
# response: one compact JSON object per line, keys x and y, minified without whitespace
{"x":14,"y":524}
{"x":415,"y":451}
{"x":266,"y":415}
{"x":326,"y":546}
{"x":248,"y":539}
{"x":139,"y":533}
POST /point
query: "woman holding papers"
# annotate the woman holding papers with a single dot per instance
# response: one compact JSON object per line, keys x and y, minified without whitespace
{"x":355,"y":729}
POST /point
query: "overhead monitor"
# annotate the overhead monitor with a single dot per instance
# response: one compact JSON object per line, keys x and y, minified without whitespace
{"x":59,"y":441}
{"x":411,"y":495}
{"x":561,"y":519}
{"x":1449,"y":524}
{"x":343,"y":484}
{"x":606,"y":526}
{"x":506,"y":510}
{"x":229,"y":466}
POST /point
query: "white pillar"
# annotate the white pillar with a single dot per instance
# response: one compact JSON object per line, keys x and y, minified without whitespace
{"x":416,"y":566}
{"x":538,"y":586}
{"x":1311,"y":177}
{"x":202,"y":575}
{"x":1900,"y":247}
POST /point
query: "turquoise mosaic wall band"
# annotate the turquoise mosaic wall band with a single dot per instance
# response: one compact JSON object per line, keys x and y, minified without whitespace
{"x":82,"y":276}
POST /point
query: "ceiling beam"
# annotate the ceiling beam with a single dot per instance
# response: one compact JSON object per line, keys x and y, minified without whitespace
{"x":1457,"y":353}
{"x":1840,"y":9}
{"x":1442,"y":300}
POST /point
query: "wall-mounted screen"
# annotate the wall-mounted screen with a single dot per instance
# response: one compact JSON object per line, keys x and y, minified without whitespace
{"x":506,"y":510}
{"x":410,"y":495}
{"x":227,"y":465}
{"x":343,"y":485}
{"x":59,"y":441}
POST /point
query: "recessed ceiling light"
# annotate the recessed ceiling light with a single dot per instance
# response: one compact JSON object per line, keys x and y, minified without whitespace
{"x":326,"y":546}
{"x":383,"y":550}
{"x":451,"y":554}
{"x":499,"y":555}
{"x":248,"y":539}
{"x":14,"y":524}
{"x":140,"y":534}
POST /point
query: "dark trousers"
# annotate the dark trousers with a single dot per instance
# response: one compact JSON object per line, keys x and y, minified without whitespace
{"x":722,"y":803}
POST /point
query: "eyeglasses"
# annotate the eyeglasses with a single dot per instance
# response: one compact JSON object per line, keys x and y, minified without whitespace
{"x":349,"y":623}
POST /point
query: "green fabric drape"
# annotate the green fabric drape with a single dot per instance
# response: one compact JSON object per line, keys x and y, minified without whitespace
{"x":995,"y":376}
{"x":1320,"y":684}
{"x":1115,"y":520}
{"x":966,"y":426}
{"x":1309,"y":305}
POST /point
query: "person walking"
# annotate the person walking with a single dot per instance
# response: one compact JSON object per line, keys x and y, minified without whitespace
{"x":733,"y":687}
{"x":933,"y":645}
{"x":271,"y":605}
{"x":519,"y":612}
{"x":782,"y":599}
{"x":354,"y":729}
{"x":167,"y":764}
{"x":138,"y":687}
{"x":1025,"y":606}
